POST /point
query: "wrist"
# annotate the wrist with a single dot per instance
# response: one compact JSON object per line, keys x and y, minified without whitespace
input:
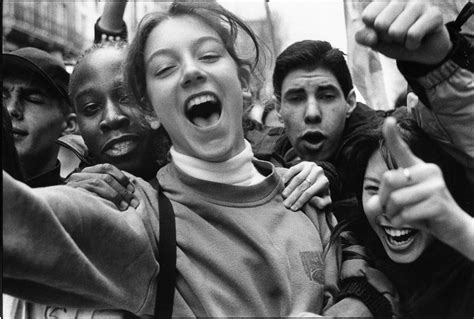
{"x":462,"y":234}
{"x":102,"y":34}
{"x":359,"y":288}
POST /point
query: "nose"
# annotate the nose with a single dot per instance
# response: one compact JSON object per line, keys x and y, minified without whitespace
{"x":113,"y":118}
{"x":192,"y":74}
{"x":15,"y":108}
{"x":313,"y":112}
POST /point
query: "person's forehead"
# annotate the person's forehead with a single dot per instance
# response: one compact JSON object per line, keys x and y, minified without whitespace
{"x":376,"y":166}
{"x":101,"y":64}
{"x":303,"y":78}
{"x":178,"y":31}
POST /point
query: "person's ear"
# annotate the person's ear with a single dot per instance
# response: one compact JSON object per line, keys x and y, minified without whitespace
{"x":277,"y":104}
{"x":70,"y":125}
{"x":351,"y":102}
{"x":244,"y":77}
{"x":153,"y":121}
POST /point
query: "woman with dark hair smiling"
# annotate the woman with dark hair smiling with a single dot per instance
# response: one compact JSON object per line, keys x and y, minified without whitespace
{"x":419,"y":234}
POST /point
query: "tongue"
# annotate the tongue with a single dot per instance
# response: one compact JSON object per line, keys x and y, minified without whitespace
{"x":206,"y":121}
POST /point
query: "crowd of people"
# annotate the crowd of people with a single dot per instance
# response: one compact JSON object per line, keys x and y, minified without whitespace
{"x":138,"y":185}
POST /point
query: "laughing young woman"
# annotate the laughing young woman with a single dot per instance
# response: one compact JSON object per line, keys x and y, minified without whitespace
{"x":419,"y":234}
{"x":240,"y":251}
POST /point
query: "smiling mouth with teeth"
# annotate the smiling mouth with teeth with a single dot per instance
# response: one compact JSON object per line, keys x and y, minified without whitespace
{"x":204,"y":110}
{"x":120,"y":149}
{"x":399,"y":236}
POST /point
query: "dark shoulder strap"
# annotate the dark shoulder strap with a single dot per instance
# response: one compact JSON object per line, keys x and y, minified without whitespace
{"x":167,"y":258}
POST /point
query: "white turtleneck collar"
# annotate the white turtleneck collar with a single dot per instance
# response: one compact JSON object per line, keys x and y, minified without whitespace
{"x":238,"y":170}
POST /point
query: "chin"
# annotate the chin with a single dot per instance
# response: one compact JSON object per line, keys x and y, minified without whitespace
{"x":406,"y":255}
{"x":218,"y":150}
{"x":402,"y":258}
{"x":216,"y":155}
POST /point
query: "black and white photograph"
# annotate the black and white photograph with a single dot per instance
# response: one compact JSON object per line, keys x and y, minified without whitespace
{"x":237,"y":159}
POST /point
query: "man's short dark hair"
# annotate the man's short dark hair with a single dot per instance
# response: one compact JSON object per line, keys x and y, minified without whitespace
{"x":309,"y":55}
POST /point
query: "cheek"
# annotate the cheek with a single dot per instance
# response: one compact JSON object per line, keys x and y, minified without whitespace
{"x":368,"y":204}
{"x":291,"y":116}
{"x":365,"y":206}
{"x":53,"y":125}
{"x":336,"y":118}
{"x":90,"y":132}
{"x":160,"y":103}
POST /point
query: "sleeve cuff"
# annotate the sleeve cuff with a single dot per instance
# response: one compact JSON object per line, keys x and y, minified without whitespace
{"x":461,"y":54}
{"x":359,"y":288}
{"x":101,"y":34}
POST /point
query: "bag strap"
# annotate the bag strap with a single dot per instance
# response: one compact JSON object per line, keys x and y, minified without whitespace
{"x":167,"y":258}
{"x":466,"y":12}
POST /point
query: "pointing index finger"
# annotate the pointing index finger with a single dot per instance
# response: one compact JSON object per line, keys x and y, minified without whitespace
{"x":397,"y":147}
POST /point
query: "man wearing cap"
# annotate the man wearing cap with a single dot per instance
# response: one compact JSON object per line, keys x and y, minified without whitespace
{"x":35,"y":93}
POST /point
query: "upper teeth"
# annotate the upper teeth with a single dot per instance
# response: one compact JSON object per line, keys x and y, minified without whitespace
{"x":397,"y":232}
{"x":120,"y":148}
{"x":200,"y":99}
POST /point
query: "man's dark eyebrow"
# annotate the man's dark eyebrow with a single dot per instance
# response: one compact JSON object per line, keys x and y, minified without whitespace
{"x":294,"y":91}
{"x":327,"y":87}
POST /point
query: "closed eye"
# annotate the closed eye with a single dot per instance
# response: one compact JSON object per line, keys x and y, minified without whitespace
{"x":371,"y":189}
{"x":164,"y":71}
{"x":327,"y":96}
{"x":35,"y":98}
{"x":210,"y":57}
{"x":295,"y":97}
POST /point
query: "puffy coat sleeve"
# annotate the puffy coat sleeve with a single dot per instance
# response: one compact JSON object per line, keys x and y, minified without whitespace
{"x":446,"y":92}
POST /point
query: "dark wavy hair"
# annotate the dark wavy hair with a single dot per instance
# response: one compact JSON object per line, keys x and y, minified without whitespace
{"x":226,"y":24}
{"x":309,"y":55}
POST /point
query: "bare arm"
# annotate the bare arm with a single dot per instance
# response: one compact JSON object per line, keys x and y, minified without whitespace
{"x":112,"y":17}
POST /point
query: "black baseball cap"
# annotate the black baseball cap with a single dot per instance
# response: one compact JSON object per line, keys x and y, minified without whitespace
{"x":41,"y":63}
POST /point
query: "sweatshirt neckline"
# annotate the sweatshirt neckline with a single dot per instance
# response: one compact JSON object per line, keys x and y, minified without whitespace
{"x":233,"y":195}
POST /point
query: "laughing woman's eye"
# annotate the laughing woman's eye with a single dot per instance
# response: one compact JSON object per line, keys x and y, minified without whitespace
{"x":209,"y":57}
{"x":164,"y":71}
{"x":371,"y":189}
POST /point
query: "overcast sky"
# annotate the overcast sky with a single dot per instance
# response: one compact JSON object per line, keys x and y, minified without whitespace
{"x":299,"y":19}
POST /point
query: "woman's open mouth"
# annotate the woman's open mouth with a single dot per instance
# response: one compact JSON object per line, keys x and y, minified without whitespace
{"x":399,"y":238}
{"x":203,"y":110}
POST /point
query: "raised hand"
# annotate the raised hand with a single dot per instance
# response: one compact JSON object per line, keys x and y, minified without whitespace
{"x":306,"y":182}
{"x":416,"y":195}
{"x":408,"y":30}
